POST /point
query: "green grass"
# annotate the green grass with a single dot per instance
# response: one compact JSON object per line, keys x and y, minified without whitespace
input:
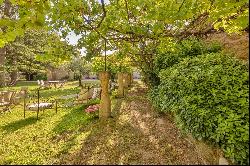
{"x":42,"y":141}
{"x":33,"y":84}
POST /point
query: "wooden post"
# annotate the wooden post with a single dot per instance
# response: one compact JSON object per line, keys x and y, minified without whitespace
{"x":56,"y":106}
{"x":24,"y":105}
{"x":38,"y":98}
{"x":120,"y":84}
{"x":88,"y":94}
{"x":105,"y":105}
{"x":2,"y":62}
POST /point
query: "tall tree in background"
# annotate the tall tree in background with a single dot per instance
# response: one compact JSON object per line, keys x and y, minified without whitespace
{"x":7,"y":11}
{"x":20,"y":54}
{"x":35,"y":52}
{"x":15,"y":18}
{"x":80,"y":67}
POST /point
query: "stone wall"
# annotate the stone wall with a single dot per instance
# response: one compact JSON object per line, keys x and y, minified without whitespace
{"x":59,"y":74}
{"x":237,"y":44}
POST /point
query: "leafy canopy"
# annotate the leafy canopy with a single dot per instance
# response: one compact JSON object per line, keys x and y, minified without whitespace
{"x":126,"y":20}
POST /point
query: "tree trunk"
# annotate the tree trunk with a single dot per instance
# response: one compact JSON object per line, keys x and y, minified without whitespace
{"x":2,"y":61}
{"x":13,"y":74}
{"x":105,"y":105}
{"x":53,"y":74}
{"x":6,"y":13}
{"x":80,"y":80}
{"x":13,"y":77}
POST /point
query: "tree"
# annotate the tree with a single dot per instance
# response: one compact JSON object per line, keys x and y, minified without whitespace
{"x":7,"y":11}
{"x":34,"y":52}
{"x":140,"y":28}
{"x":136,"y":28}
{"x":136,"y":22}
{"x":80,"y":67}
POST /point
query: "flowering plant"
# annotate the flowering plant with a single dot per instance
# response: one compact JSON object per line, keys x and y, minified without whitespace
{"x":92,"y":108}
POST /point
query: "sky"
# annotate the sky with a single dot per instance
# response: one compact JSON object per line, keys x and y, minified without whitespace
{"x":72,"y":38}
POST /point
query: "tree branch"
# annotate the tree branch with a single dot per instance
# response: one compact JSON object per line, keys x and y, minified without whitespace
{"x":103,"y":16}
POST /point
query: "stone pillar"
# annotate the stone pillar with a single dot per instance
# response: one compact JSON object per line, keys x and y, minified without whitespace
{"x":105,"y":105}
{"x":125,"y":77}
{"x":131,"y":78}
{"x":120,"y":84}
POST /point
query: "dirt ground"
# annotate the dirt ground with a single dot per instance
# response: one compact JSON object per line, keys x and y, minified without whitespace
{"x":136,"y":134}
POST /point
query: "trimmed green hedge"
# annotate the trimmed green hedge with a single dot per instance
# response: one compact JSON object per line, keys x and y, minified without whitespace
{"x":209,"y":96}
{"x":186,"y":48}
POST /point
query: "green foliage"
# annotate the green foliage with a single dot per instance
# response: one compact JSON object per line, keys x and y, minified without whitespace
{"x":31,"y":14}
{"x":186,"y":48}
{"x":35,"y":51}
{"x":141,"y":28}
{"x":173,"y":54}
{"x":41,"y":76}
{"x":114,"y":64}
{"x":79,"y":66}
{"x":209,"y":95}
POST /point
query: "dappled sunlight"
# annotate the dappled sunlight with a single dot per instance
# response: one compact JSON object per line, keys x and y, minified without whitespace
{"x":31,"y":141}
{"x":135,"y":134}
{"x":78,"y":140}
{"x":125,"y":81}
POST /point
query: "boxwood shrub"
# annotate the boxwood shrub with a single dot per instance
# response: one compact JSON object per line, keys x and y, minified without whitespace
{"x":209,"y":96}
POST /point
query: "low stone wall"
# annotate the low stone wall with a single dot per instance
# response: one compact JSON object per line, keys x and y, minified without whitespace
{"x":58,"y":74}
{"x":237,"y":44}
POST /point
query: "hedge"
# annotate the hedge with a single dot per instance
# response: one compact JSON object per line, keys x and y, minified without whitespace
{"x":209,"y":96}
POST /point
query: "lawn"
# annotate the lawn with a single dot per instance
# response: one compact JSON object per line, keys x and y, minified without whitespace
{"x":136,"y":134}
{"x":31,"y":141}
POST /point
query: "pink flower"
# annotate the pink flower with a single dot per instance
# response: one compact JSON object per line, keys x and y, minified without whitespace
{"x":92,"y":108}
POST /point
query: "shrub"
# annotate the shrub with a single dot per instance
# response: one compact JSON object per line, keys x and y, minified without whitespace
{"x":186,"y":48}
{"x":41,"y":76}
{"x":209,"y":96}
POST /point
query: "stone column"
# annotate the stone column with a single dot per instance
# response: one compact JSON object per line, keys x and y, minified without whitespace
{"x":120,"y":84}
{"x":126,"y":83}
{"x":125,"y":77}
{"x":105,"y":105}
{"x":129,"y":79}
